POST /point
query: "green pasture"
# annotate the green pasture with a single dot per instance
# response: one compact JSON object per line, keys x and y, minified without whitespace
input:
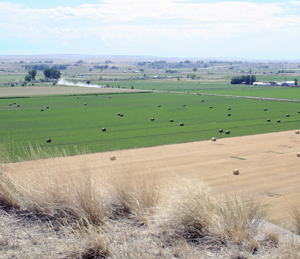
{"x":69,"y":123}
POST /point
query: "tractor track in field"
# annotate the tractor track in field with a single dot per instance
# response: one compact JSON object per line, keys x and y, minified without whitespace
{"x":236,"y":96}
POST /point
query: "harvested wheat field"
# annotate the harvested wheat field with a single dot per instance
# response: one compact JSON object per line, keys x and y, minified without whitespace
{"x":51,"y":90}
{"x":268,"y":167}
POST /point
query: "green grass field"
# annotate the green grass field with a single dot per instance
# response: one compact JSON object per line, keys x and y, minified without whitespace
{"x":69,"y":123}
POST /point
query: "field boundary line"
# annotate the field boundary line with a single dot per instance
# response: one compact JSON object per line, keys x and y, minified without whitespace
{"x":236,"y":96}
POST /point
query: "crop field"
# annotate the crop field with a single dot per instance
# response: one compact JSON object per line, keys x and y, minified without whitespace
{"x":68,"y":122}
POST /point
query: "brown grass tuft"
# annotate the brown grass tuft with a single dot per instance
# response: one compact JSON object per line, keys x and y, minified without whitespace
{"x":238,"y":220}
{"x":194,"y":208}
{"x":295,"y":215}
{"x":9,"y":193}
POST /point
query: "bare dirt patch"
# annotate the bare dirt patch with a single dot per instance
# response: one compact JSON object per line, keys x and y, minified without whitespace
{"x":52,"y":90}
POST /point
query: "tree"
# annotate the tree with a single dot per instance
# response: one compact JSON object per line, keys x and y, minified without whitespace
{"x":296,"y":81}
{"x":51,"y":73}
{"x":32,"y":73}
{"x":88,"y":82}
{"x":28,"y":78}
{"x":194,"y":69}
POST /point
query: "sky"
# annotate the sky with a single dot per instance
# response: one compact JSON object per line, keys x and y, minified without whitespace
{"x":263,"y":29}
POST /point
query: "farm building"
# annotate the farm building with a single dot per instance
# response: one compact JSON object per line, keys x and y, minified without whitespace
{"x":289,"y":83}
{"x":261,"y":84}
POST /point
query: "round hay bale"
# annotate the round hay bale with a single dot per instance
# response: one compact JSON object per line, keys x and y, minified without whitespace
{"x":14,"y":103}
{"x":77,"y":97}
{"x":109,"y":97}
{"x":229,"y":114}
{"x":203,"y":101}
{"x":298,"y":154}
{"x":48,"y":140}
{"x":121,"y":115}
{"x":118,"y":114}
{"x":220,"y":130}
{"x":213,"y":139}
{"x":278,"y":121}
{"x":183,"y":105}
{"x":265,"y":109}
{"x":287,"y":115}
{"x":159,"y":105}
{"x":113,"y":158}
{"x":171,"y":120}
{"x":103,"y":129}
{"x":152,"y":119}
{"x":181,"y":124}
{"x":210,"y":106}
{"x":268,"y":120}
{"x":85,"y":104}
{"x":236,"y":172}
{"x":42,"y":110}
{"x":199,"y":94}
{"x":10,"y":104}
{"x":18,"y":105}
{"x":227,"y":132}
{"x":47,"y":107}
{"x":229,"y":108}
{"x":297,"y":131}
{"x":298,"y":111}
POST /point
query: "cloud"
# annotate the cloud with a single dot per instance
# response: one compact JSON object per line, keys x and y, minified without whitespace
{"x":127,"y":23}
{"x":295,"y":2}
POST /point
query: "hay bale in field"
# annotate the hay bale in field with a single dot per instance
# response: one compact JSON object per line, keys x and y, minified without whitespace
{"x":236,"y":172}
{"x":42,"y":110}
{"x":297,"y":131}
{"x":159,"y":105}
{"x":77,"y":97}
{"x":199,"y":94}
{"x":183,"y":105}
{"x":18,"y":105}
{"x":265,"y":109}
{"x":47,"y":107}
{"x":118,"y":114}
{"x":10,"y":104}
{"x":85,"y":104}
{"x":152,"y":119}
{"x":202,"y":100}
{"x":121,"y":115}
{"x":287,"y":115}
{"x":14,"y":103}
{"x":103,"y":129}
{"x":48,"y":140}
{"x":278,"y":121}
{"x":110,"y":97}
{"x":113,"y":158}
{"x":213,"y":139}
{"x":229,"y":108}
{"x":181,"y":124}
{"x":220,"y":130}
{"x":298,"y":111}
{"x":171,"y":120}
{"x":298,"y":154}
{"x":268,"y":120}
{"x":227,"y":132}
{"x":229,"y":114}
{"x":210,"y":106}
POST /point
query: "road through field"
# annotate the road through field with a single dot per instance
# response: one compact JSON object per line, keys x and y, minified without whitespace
{"x":268,"y":164}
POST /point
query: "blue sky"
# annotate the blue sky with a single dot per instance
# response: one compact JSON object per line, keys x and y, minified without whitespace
{"x":171,"y":28}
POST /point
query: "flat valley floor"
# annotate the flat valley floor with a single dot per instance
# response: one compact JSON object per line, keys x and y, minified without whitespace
{"x":268,"y":164}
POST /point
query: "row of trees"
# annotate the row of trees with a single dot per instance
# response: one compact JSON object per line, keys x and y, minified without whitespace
{"x":248,"y":80}
{"x":43,"y":67}
{"x":48,"y":73}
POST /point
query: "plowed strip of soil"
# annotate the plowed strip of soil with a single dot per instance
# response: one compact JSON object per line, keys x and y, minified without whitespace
{"x":268,"y":165}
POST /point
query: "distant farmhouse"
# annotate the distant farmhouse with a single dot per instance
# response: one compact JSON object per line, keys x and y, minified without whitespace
{"x":276,"y":83}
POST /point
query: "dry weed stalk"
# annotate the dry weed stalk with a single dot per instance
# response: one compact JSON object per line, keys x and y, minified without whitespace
{"x":295,"y":215}
{"x":9,"y":193}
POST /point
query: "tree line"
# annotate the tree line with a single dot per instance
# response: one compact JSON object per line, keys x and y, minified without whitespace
{"x":249,"y":80}
{"x":48,"y":73}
